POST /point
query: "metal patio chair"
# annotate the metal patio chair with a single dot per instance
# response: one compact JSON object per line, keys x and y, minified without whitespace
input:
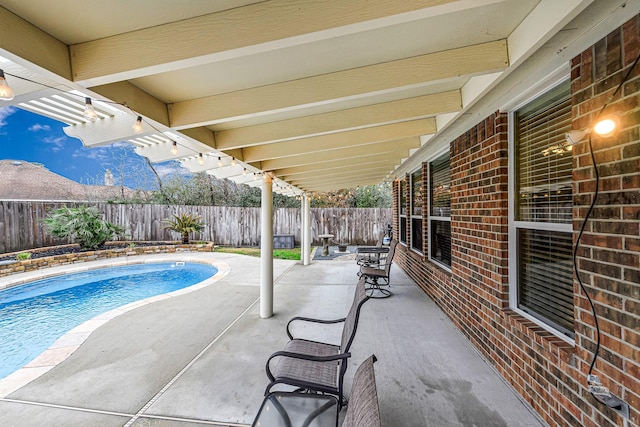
{"x":313,"y":365}
{"x":376,"y":277}
{"x":289,"y":409}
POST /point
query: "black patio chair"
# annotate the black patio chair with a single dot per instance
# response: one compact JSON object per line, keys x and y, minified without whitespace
{"x":313,"y":365}
{"x":363,"y":409}
{"x":376,"y":277}
{"x":289,"y":409}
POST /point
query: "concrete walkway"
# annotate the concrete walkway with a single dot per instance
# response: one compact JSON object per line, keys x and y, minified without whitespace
{"x":198,"y":359}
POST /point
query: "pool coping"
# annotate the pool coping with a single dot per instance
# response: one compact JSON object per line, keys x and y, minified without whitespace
{"x":68,"y":343}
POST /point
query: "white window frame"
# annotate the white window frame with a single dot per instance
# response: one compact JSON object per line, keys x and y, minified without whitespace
{"x":429,"y":216}
{"x":551,"y":82}
{"x":411,"y":216}
{"x":402,"y":237}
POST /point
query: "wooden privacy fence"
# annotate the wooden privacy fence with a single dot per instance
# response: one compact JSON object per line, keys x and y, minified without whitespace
{"x":21,"y":227}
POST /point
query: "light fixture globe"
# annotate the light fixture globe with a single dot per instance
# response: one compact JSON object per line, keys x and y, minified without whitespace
{"x":6,"y":93}
{"x":137,"y":126}
{"x":607,"y":125}
{"x":89,"y":112}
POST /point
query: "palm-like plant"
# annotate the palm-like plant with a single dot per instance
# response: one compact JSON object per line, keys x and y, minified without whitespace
{"x":83,"y":225}
{"x":184,"y":224}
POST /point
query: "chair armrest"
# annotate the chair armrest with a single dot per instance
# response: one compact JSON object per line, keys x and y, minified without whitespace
{"x":309,"y":357}
{"x":308,"y":319}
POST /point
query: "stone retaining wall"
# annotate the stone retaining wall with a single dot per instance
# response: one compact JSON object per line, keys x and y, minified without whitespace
{"x":8,"y":268}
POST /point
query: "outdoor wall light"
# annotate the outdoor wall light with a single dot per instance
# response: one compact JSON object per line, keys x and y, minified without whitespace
{"x":604,"y":127}
{"x":137,"y":126}
{"x":607,"y":125}
{"x":233,"y":161}
{"x":89,"y":112}
{"x":219,"y":162}
{"x":6,"y":93}
{"x":200,"y":159}
{"x":174,"y":148}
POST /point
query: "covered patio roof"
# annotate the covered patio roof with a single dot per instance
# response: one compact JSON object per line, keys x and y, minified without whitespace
{"x":322,"y":95}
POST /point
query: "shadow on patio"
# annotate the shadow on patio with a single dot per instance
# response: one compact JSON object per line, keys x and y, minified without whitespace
{"x":198,"y":359}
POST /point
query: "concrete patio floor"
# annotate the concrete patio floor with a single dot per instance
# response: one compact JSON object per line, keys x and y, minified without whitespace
{"x":198,"y":359}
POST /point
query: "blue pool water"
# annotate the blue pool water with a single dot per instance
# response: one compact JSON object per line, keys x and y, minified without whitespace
{"x":33,"y":316}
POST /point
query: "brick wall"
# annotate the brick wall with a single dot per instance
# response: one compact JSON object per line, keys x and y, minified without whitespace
{"x":548,"y":372}
{"x":609,"y":256}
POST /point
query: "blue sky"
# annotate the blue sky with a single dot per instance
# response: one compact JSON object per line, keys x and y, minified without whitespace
{"x":34,"y":138}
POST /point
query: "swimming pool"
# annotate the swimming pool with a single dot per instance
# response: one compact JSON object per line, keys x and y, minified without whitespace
{"x":34,"y":315}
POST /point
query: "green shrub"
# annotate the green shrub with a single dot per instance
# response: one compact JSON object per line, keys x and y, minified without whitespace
{"x":184,"y":224}
{"x":22,"y":256}
{"x":82,"y":225}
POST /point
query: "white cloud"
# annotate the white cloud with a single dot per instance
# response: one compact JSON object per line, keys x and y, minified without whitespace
{"x":121,"y":144}
{"x":37,"y":127}
{"x":56,"y":142}
{"x":175,"y":169}
{"x":4,"y":113}
{"x":101,"y":154}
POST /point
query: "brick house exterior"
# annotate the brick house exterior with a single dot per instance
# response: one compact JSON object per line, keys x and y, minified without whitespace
{"x":549,"y":371}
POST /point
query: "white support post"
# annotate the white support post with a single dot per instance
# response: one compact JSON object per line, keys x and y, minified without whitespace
{"x":306,"y":249}
{"x":266,"y":250}
{"x":303,"y":226}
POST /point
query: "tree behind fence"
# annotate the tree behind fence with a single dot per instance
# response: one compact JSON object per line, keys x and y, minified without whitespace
{"x":21,"y":227}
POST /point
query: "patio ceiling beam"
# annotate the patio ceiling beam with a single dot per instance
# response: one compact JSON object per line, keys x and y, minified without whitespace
{"x":136,"y":99}
{"x":266,"y":26}
{"x":206,"y":136}
{"x":347,"y":84}
{"x":26,"y":42}
{"x":398,"y":147}
{"x":337,"y":175}
{"x":353,"y":118}
{"x":353,"y":166}
{"x":348,"y":178}
{"x":336,"y":164}
{"x":340,"y":140}
{"x":330,"y":185}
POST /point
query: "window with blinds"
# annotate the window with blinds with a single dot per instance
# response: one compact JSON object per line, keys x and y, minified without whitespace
{"x":543,"y":209}
{"x":416,"y":210}
{"x":544,"y":163}
{"x":440,"y":210}
{"x":546,"y":277}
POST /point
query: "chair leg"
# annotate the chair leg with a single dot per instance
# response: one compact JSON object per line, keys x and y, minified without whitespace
{"x":375,"y":290}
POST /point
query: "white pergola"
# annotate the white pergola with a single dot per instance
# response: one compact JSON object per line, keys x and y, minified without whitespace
{"x":309,"y":95}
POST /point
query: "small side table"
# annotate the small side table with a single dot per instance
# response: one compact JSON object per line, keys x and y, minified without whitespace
{"x":325,"y":243}
{"x":294,"y":409}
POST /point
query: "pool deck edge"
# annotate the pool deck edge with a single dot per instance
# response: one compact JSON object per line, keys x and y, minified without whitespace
{"x":68,"y":343}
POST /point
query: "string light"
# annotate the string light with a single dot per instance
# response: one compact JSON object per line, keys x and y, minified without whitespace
{"x":6,"y":93}
{"x":174,"y":148}
{"x":137,"y":126}
{"x":89,"y":112}
{"x":200,"y":159}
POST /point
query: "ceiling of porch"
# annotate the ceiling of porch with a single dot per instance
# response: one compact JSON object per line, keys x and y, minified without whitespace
{"x":323,"y":95}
